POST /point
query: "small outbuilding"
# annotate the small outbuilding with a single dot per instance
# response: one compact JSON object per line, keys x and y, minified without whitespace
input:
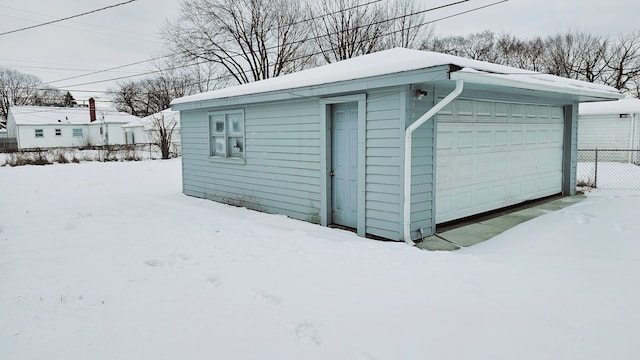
{"x":389,"y":144}
{"x":146,"y":130}
{"x":610,"y":125}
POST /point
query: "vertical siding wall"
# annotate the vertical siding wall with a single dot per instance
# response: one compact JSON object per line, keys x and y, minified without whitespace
{"x":384,"y":153}
{"x":281,"y":173}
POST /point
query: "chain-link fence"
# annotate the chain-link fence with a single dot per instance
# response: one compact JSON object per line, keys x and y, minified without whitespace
{"x":609,"y":169}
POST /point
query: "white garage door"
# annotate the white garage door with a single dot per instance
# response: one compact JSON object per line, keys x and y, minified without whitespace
{"x":491,"y":155}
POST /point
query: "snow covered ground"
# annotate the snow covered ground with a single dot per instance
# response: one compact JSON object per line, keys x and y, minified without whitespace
{"x":611,"y":175}
{"x":111,"y":261}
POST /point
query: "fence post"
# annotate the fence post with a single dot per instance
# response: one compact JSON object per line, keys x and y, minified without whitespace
{"x":595,"y":180}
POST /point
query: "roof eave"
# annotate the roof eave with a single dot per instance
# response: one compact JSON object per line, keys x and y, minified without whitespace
{"x":423,"y":75}
{"x":502,"y":80}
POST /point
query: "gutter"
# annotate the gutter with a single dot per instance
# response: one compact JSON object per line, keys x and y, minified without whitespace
{"x":407,"y":155}
{"x":535,"y":84}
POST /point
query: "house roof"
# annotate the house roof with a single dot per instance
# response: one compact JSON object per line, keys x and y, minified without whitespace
{"x":399,"y":60}
{"x":147,"y":121}
{"x":628,"y":105}
{"x":43,"y":115}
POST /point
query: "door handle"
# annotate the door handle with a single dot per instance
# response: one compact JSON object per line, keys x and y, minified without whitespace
{"x":332,"y":173}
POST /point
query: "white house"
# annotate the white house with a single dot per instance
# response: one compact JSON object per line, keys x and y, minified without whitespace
{"x":45,"y":127}
{"x":609,"y":124}
{"x":141,"y":130}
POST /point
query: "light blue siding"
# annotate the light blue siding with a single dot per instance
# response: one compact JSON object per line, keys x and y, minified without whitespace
{"x":384,"y":148}
{"x":422,"y":162}
{"x":281,"y":170}
{"x":570,"y":158}
{"x":287,"y":159}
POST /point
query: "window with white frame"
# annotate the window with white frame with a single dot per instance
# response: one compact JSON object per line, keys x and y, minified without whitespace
{"x":227,"y":134}
{"x":58,"y":132}
{"x":39,"y":133}
{"x":77,"y":132}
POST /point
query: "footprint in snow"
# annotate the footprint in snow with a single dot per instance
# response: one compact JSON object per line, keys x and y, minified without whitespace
{"x":618,"y":227}
{"x":269,"y":298}
{"x":306,"y":332}
{"x":153,"y":262}
{"x":581,"y":218}
{"x":214,"y":280}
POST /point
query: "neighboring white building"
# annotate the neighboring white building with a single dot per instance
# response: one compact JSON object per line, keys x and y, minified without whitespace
{"x":609,"y":124}
{"x":45,"y":127}
{"x":141,"y":130}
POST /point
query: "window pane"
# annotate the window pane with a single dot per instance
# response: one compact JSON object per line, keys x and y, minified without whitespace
{"x":39,"y":133}
{"x":236,"y":146}
{"x":235,"y":124}
{"x":217,"y":124}
{"x":220,"y":148}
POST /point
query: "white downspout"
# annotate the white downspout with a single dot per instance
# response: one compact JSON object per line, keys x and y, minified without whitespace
{"x":634,"y":139}
{"x":407,"y":155}
{"x":632,"y":135}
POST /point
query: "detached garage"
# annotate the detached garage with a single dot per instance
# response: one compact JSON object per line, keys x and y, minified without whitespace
{"x":491,"y":155}
{"x":389,"y":144}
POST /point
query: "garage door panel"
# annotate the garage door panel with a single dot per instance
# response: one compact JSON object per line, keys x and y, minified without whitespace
{"x":485,"y":165}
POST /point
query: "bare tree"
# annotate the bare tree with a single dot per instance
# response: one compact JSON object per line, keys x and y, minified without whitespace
{"x":477,"y":46}
{"x":343,"y":29}
{"x":563,"y":55}
{"x":512,"y":51}
{"x":130,"y":97}
{"x":623,"y":62}
{"x":16,"y":89}
{"x":162,"y":132}
{"x":406,"y":27}
{"x":149,"y":96}
{"x":47,"y":96}
{"x":593,"y":55}
{"x":250,"y":39}
{"x":576,"y":55}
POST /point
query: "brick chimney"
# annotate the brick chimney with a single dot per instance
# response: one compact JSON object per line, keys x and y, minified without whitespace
{"x":92,"y":109}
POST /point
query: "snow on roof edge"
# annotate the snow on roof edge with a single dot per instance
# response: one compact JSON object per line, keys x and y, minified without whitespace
{"x":386,"y":62}
{"x":628,"y":105}
{"x":46,"y":115}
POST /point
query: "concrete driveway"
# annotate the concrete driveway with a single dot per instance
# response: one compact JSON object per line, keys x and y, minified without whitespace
{"x":475,"y":230}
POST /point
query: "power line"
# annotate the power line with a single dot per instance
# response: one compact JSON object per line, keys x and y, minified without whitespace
{"x":114,"y":68}
{"x":274,"y":47}
{"x":248,"y":71}
{"x":179,"y":52}
{"x":66,"y":18}
{"x":77,"y":22}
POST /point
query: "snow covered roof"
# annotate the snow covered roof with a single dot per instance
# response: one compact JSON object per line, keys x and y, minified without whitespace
{"x":43,"y":115}
{"x":147,"y":121}
{"x":628,"y":105}
{"x":399,"y":60}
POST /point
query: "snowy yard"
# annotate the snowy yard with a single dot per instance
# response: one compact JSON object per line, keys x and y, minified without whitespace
{"x":111,"y":261}
{"x":611,"y":175}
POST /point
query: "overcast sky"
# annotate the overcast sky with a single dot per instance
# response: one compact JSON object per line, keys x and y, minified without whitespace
{"x":130,"y":33}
